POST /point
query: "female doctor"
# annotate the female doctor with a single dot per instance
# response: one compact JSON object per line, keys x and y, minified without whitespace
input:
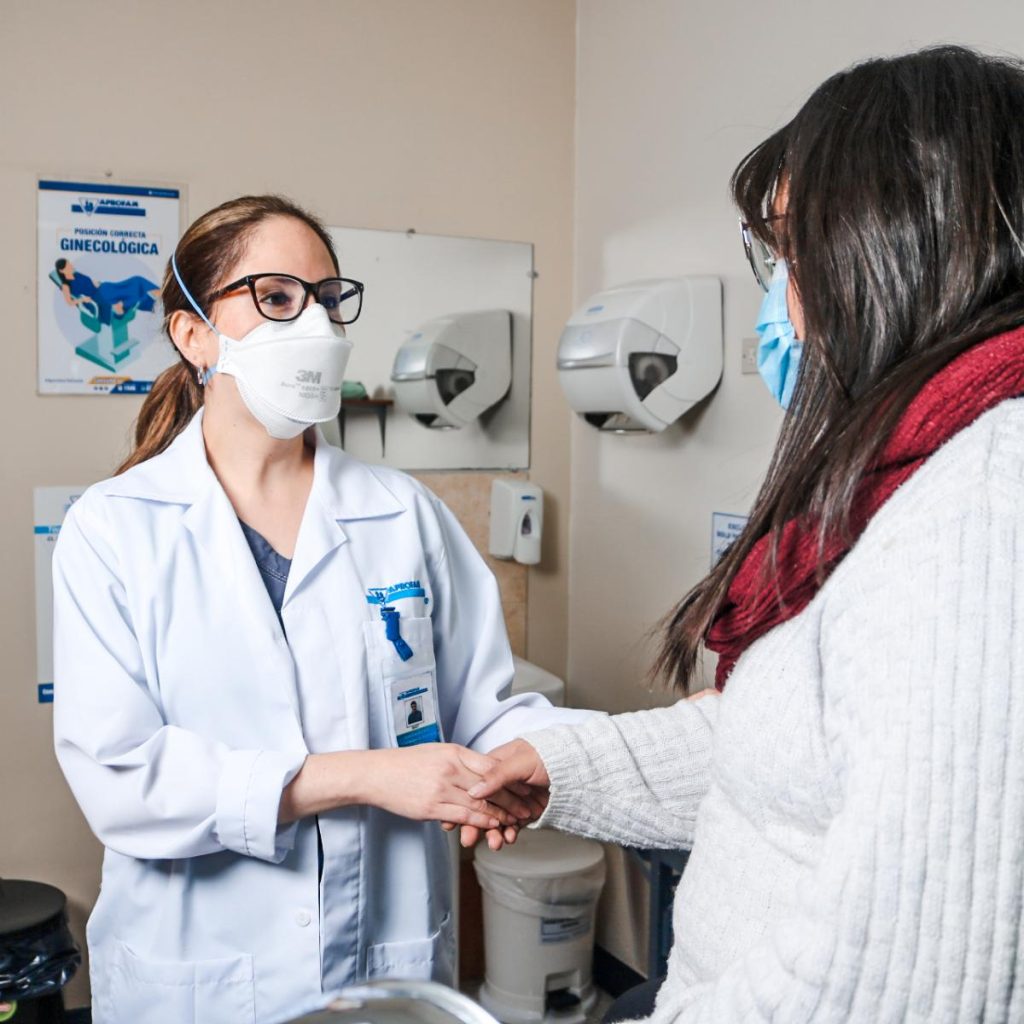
{"x":243,"y":616}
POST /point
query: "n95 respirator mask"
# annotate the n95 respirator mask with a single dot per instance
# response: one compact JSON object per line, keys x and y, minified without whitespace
{"x":288,"y":374}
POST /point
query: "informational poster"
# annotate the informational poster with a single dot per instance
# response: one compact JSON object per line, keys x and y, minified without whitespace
{"x":102,"y":253}
{"x":51,"y":505}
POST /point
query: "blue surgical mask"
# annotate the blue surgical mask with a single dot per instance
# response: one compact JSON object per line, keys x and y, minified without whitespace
{"x":779,"y":350}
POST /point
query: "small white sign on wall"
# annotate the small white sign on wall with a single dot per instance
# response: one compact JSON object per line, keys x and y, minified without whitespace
{"x":725,"y":528}
{"x":50,"y":506}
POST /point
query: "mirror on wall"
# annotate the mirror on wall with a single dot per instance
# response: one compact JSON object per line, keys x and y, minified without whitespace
{"x":442,"y":348}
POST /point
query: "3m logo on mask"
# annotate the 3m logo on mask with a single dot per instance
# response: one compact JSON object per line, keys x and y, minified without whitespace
{"x":308,"y":376}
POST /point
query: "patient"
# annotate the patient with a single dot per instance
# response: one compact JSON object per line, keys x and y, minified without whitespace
{"x":111,"y":298}
{"x":855,"y":797}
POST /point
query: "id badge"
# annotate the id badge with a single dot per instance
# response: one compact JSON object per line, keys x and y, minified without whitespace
{"x":414,"y":710}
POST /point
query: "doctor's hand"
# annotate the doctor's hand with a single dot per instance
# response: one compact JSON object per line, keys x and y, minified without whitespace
{"x":425,"y":783}
{"x":470,"y":835}
{"x":430,"y":783}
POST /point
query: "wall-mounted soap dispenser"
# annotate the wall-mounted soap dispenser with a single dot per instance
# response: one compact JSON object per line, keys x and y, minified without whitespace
{"x":517,"y":520}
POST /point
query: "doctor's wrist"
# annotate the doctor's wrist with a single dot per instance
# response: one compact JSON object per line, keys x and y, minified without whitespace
{"x":324,"y":783}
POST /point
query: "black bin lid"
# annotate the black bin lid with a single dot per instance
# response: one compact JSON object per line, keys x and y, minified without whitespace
{"x":28,"y":905}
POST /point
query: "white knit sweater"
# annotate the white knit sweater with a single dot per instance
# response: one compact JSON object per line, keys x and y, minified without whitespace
{"x":855,"y":798}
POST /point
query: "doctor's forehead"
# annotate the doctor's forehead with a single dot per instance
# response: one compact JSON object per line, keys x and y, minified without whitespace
{"x":284,"y":245}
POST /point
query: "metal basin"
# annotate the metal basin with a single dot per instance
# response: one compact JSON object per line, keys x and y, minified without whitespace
{"x":399,"y":1002}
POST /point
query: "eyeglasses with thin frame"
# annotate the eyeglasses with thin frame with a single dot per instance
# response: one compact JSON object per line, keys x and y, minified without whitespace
{"x":761,"y":258}
{"x":283,"y":297}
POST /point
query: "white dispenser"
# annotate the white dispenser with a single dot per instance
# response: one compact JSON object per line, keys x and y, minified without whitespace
{"x":454,"y":368}
{"x":638,"y":356}
{"x":517,"y":520}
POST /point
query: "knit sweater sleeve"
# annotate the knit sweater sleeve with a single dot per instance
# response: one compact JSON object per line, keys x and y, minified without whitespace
{"x":612,"y":777}
{"x":913,"y":912}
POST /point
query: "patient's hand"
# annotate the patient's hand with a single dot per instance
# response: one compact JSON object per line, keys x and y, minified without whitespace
{"x":524,"y":800}
{"x":519,"y":770}
{"x":518,"y":763}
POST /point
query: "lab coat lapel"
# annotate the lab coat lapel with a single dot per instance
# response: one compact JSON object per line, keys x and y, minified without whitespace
{"x":343,"y":489}
{"x":212,"y":520}
{"x":245,"y":602}
{"x":319,"y":534}
{"x":182,"y":475}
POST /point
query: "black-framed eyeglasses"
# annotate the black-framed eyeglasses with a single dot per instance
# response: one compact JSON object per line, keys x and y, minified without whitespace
{"x":283,"y":297}
{"x":761,"y":258}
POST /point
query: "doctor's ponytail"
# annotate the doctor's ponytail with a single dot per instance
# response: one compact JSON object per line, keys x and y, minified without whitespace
{"x":174,"y":400}
{"x":206,"y":254}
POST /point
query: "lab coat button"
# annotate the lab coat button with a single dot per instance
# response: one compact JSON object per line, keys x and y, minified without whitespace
{"x":302,"y":918}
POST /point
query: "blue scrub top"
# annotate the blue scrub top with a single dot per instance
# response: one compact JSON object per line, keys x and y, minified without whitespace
{"x":273,"y":567}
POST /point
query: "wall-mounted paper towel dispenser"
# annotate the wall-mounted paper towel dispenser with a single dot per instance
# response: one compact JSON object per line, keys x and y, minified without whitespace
{"x":638,"y":356}
{"x":454,"y":368}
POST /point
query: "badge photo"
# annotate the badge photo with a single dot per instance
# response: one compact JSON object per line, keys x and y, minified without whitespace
{"x":414,"y":710}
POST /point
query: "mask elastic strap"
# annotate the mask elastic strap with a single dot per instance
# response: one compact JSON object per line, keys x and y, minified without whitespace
{"x":204,"y":375}
{"x":188,"y":295}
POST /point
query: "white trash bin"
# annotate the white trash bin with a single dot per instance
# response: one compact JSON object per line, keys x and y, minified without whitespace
{"x":539,"y":897}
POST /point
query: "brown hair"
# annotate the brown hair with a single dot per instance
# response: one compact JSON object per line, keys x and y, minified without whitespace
{"x":903,"y":228}
{"x":206,"y":253}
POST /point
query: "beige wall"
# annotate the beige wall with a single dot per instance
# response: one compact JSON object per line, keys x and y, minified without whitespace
{"x":453,"y":117}
{"x":670,"y":96}
{"x":450,"y":116}
{"x":468,"y":495}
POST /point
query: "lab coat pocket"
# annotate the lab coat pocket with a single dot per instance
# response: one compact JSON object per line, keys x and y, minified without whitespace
{"x":427,"y":959}
{"x":180,"y":992}
{"x":400,"y":655}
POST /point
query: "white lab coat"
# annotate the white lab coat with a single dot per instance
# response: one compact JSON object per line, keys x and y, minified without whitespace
{"x":182,"y":709}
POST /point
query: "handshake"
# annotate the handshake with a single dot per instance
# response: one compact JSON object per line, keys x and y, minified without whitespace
{"x":485,"y":795}
{"x":513,"y":786}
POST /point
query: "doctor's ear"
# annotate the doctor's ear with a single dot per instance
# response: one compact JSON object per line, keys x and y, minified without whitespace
{"x":190,"y":336}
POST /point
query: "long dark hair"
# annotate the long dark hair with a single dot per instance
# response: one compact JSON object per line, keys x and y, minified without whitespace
{"x":904,"y":234}
{"x":205,"y":255}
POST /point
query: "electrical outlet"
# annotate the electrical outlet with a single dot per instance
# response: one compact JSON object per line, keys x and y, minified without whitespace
{"x":748,"y":355}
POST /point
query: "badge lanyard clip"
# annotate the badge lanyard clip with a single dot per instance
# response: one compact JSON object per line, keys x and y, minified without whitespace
{"x":393,"y":633}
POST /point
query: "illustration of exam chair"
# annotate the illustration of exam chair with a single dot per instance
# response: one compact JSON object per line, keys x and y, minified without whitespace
{"x":109,"y":344}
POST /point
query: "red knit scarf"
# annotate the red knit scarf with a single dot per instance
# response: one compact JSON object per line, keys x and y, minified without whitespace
{"x":974,"y":382}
